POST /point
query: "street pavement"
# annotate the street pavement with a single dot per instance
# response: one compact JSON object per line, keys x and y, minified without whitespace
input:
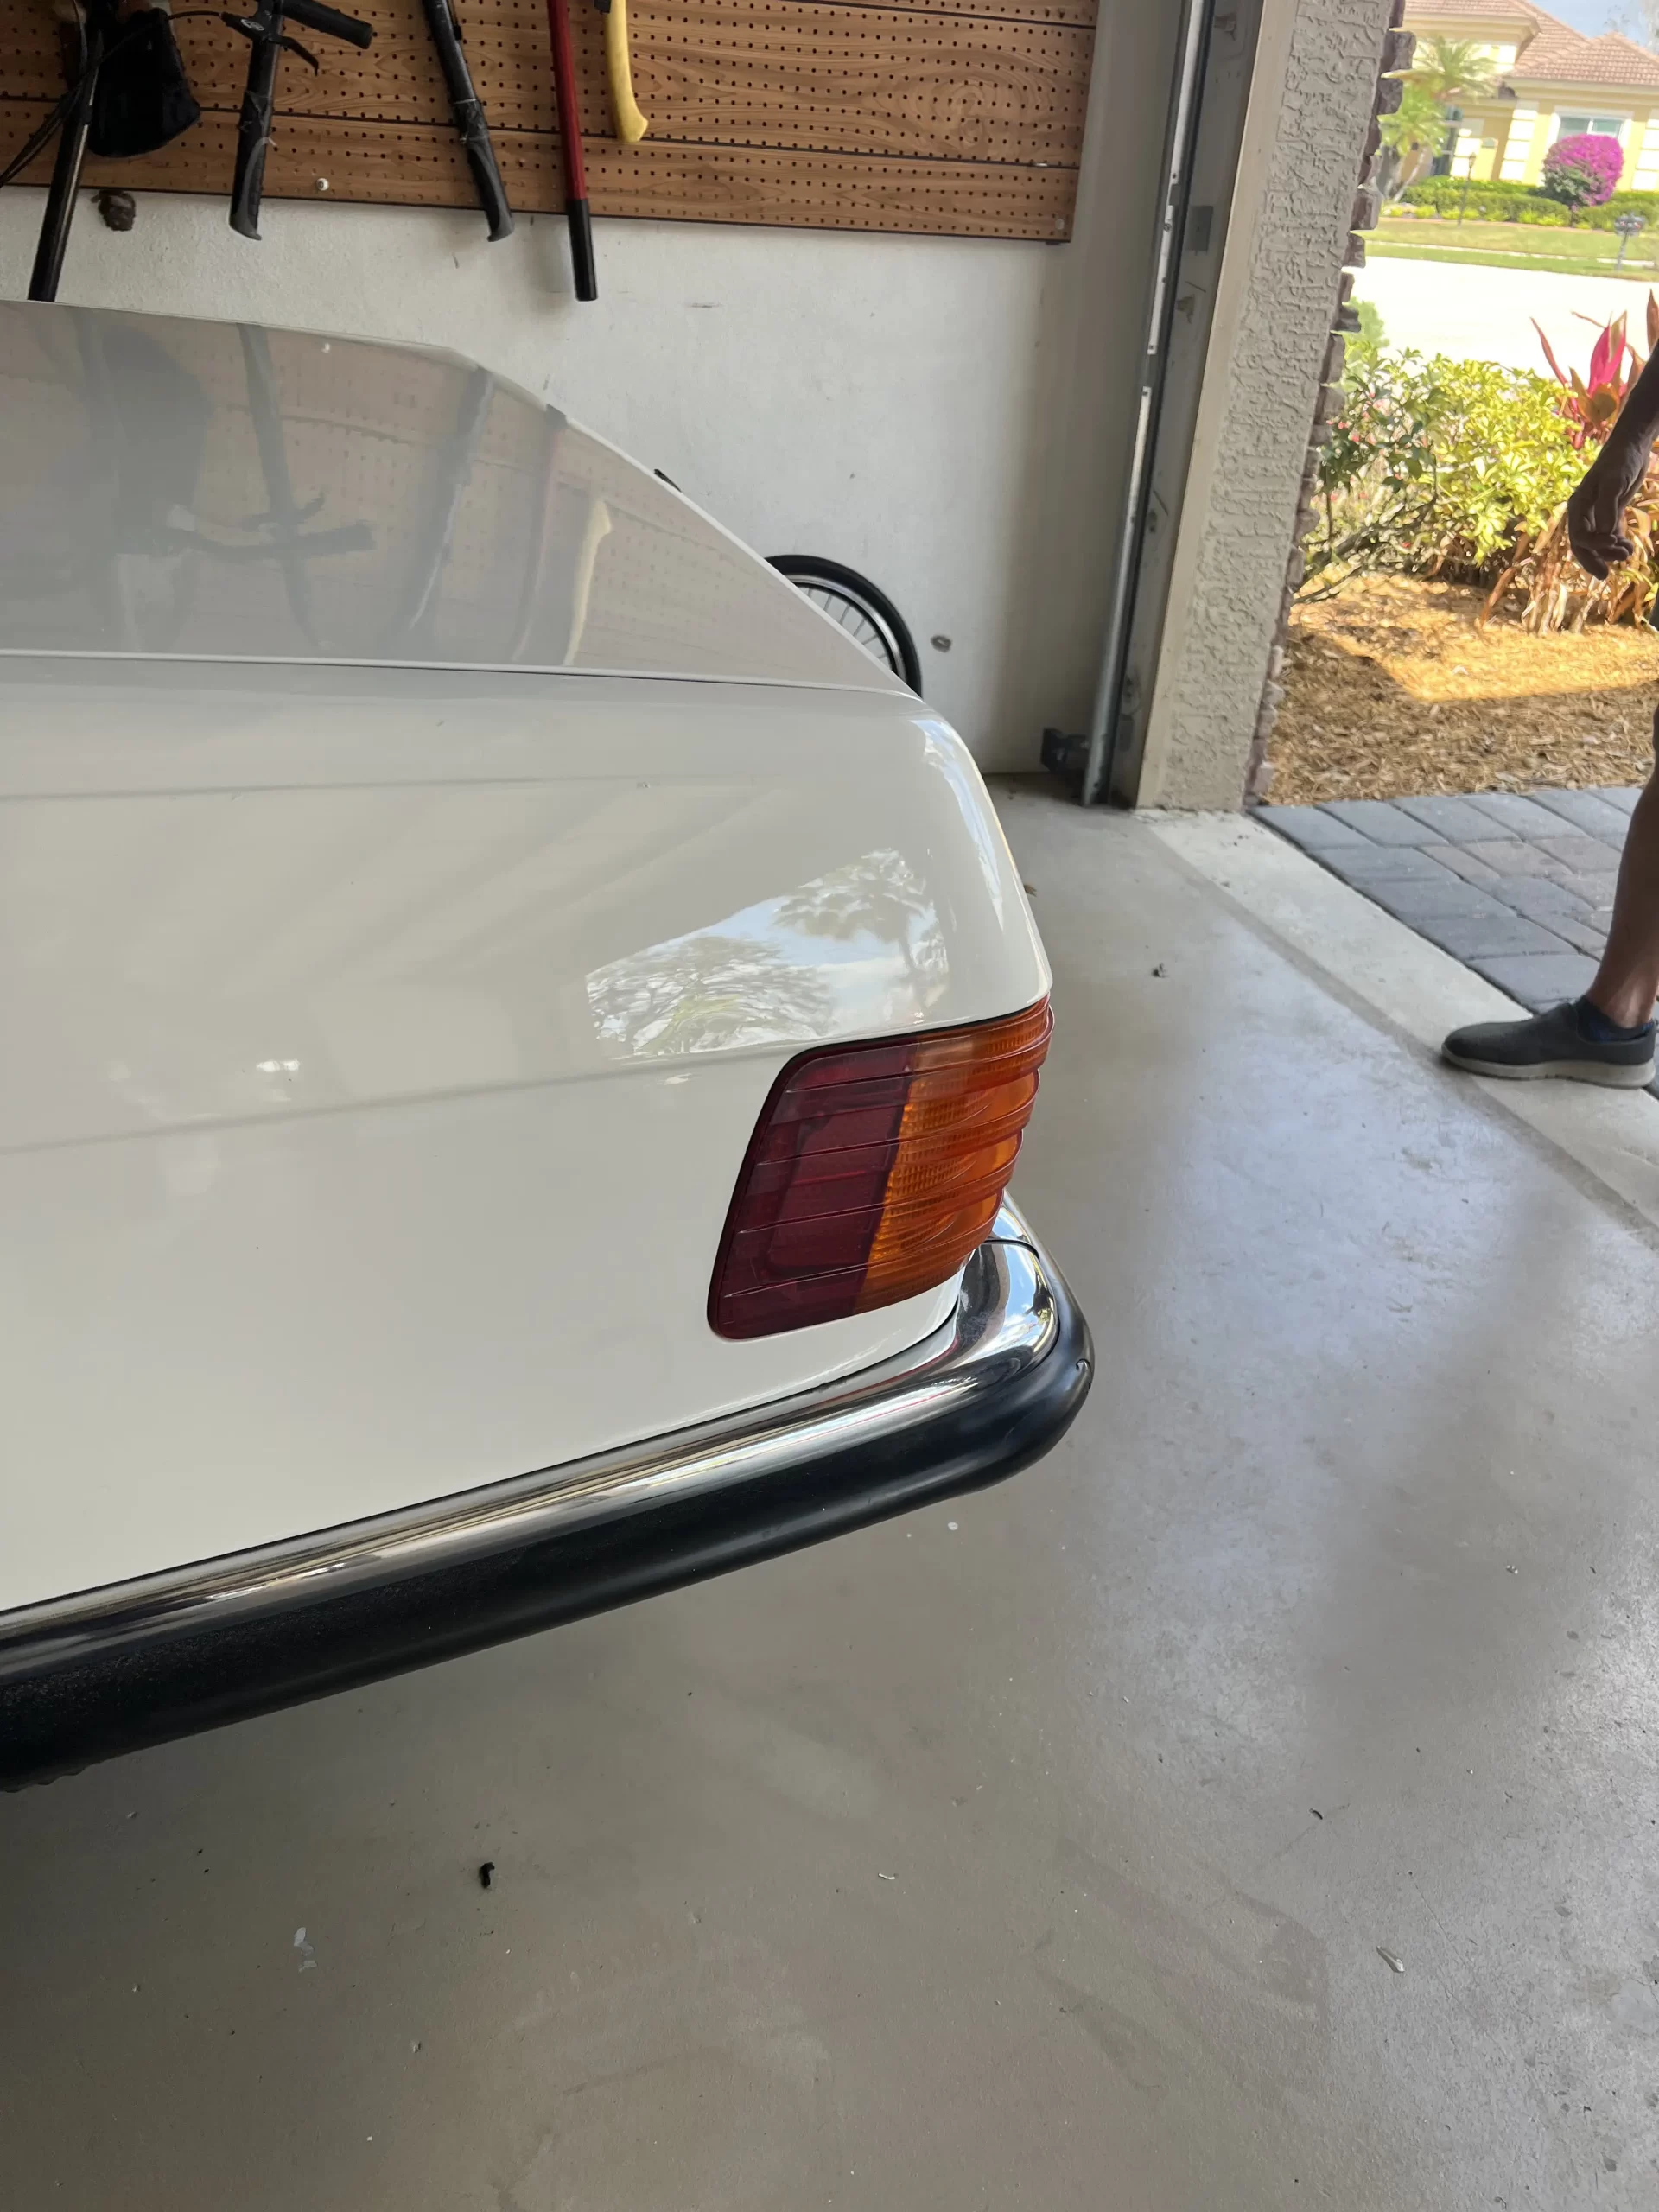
{"x":1478,"y":314}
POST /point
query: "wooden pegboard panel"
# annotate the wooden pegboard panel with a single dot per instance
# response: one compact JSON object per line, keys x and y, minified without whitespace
{"x":946,"y":117}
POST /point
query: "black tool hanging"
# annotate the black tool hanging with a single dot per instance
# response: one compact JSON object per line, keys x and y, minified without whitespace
{"x":94,"y":24}
{"x":265,"y":31}
{"x":128,"y":95}
{"x":469,"y":110}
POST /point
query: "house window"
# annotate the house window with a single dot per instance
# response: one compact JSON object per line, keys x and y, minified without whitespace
{"x":1602,"y":126}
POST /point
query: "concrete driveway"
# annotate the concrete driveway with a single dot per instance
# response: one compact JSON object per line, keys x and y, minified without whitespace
{"x":1485,"y":314}
{"x":1254,"y":1805}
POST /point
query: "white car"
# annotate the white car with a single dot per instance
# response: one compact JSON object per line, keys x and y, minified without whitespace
{"x":513,"y":1037}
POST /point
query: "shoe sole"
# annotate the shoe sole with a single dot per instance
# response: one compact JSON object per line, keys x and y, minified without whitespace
{"x":1608,"y":1077}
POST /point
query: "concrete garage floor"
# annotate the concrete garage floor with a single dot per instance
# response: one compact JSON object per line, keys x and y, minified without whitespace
{"x":1040,"y":1851}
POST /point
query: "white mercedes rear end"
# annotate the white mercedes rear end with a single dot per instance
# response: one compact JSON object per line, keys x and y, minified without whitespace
{"x":465,"y":921}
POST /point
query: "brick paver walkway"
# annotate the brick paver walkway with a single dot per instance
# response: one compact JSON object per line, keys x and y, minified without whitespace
{"x":1518,"y":889}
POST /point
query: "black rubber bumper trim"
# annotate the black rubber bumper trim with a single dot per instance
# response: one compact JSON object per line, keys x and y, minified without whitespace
{"x":70,"y":1714}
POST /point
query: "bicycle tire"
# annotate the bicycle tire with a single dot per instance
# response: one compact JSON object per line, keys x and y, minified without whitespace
{"x":897,"y":648}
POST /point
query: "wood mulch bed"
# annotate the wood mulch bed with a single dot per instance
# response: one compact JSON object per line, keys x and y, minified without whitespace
{"x":1391,"y":691}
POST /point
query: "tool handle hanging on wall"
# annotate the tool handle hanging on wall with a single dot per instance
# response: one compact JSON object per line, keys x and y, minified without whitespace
{"x":265,"y":31}
{"x":585,"y":281}
{"x":469,"y":110}
{"x":93,"y":25}
{"x":631,"y":125}
{"x":128,"y":95}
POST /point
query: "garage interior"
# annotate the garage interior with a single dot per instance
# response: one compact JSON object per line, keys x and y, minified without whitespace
{"x":1251,"y":1805}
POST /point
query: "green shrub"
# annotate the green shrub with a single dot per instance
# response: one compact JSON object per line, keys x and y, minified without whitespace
{"x":1495,"y":201}
{"x":1644,"y":204}
{"x":1506,"y":460}
{"x":1439,"y":467}
{"x":1429,"y":190}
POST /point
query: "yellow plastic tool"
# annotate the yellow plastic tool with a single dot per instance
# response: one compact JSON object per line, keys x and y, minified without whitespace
{"x":631,"y":125}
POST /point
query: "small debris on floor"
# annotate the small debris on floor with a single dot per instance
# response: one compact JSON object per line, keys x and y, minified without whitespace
{"x":1160,"y":970}
{"x":1030,"y":890}
{"x":886,"y":1878}
{"x":486,"y":1874}
{"x":953,"y":1526}
{"x":1394,"y":1965}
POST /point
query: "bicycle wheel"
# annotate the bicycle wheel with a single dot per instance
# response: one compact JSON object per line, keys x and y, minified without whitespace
{"x":861,"y":608}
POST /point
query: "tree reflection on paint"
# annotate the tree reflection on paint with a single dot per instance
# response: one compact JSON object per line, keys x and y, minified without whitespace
{"x":878,"y":897}
{"x":699,"y":993}
{"x":737,"y":984}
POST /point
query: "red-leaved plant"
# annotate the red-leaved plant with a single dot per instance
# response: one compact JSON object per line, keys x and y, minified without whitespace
{"x":1592,"y":402}
{"x":1559,"y":595}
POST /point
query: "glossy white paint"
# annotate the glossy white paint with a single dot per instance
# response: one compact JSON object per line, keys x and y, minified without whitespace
{"x":381,"y":1047}
{"x":217,"y":491}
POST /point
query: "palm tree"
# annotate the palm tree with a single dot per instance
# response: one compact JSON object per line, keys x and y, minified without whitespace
{"x":1447,"y":72}
{"x":1412,"y":135}
{"x":1450,"y":69}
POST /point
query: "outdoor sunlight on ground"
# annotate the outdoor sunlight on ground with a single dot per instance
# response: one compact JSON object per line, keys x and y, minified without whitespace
{"x":1392,"y":691}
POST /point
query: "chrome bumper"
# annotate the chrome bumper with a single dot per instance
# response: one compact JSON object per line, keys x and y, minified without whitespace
{"x":134,"y":1662}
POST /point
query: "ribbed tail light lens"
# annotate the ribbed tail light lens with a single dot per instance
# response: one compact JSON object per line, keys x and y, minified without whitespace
{"x":873,"y":1171}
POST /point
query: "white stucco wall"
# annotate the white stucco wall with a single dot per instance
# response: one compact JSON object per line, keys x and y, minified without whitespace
{"x":949,"y":415}
{"x":1314,"y":88}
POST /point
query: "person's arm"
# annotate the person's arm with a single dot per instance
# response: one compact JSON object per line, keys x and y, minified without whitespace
{"x":1595,"y":513}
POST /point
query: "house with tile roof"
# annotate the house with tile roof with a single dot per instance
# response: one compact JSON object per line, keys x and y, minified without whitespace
{"x":1553,"y":82}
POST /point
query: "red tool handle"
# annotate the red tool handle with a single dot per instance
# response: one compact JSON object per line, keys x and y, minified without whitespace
{"x":576,"y":181}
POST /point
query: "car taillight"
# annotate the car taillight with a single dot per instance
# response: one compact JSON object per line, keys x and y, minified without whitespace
{"x":873,"y":1171}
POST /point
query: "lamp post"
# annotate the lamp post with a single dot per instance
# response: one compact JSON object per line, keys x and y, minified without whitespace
{"x":1468,"y":161}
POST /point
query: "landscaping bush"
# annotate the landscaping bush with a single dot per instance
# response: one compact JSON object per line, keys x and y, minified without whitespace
{"x":1583,"y":171}
{"x":1644,"y":204}
{"x":1451,"y":468}
{"x":1497,"y":202}
{"x":1505,"y":462}
{"x":1491,"y":202}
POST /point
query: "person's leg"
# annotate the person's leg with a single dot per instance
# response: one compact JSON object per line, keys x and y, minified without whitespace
{"x":1608,"y":1036}
{"x":1627,"y":981}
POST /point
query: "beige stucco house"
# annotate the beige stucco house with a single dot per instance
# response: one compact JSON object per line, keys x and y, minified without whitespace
{"x":1553,"y":83}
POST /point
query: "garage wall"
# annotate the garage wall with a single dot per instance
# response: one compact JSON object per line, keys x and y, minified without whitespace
{"x":1314,"y":91}
{"x":950,"y":416}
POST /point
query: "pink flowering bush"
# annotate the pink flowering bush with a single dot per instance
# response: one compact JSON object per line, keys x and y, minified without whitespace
{"x":1583,"y":171}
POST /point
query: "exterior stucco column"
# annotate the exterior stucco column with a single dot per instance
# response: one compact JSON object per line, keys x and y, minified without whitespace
{"x":1311,"y":105}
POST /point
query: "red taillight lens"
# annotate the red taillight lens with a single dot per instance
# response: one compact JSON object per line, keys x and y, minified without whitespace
{"x":874,"y":1170}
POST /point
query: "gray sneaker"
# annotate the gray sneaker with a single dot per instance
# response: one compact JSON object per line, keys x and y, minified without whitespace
{"x":1552,"y":1044}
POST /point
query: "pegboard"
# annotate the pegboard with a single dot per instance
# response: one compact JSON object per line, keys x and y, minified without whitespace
{"x":944,"y":117}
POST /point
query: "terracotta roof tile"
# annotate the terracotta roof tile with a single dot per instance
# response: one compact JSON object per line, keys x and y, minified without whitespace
{"x":1492,"y":11}
{"x":1555,"y":53}
{"x":1563,"y":56}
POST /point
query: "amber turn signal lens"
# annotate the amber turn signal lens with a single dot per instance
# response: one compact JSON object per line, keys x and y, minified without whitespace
{"x":873,"y":1171}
